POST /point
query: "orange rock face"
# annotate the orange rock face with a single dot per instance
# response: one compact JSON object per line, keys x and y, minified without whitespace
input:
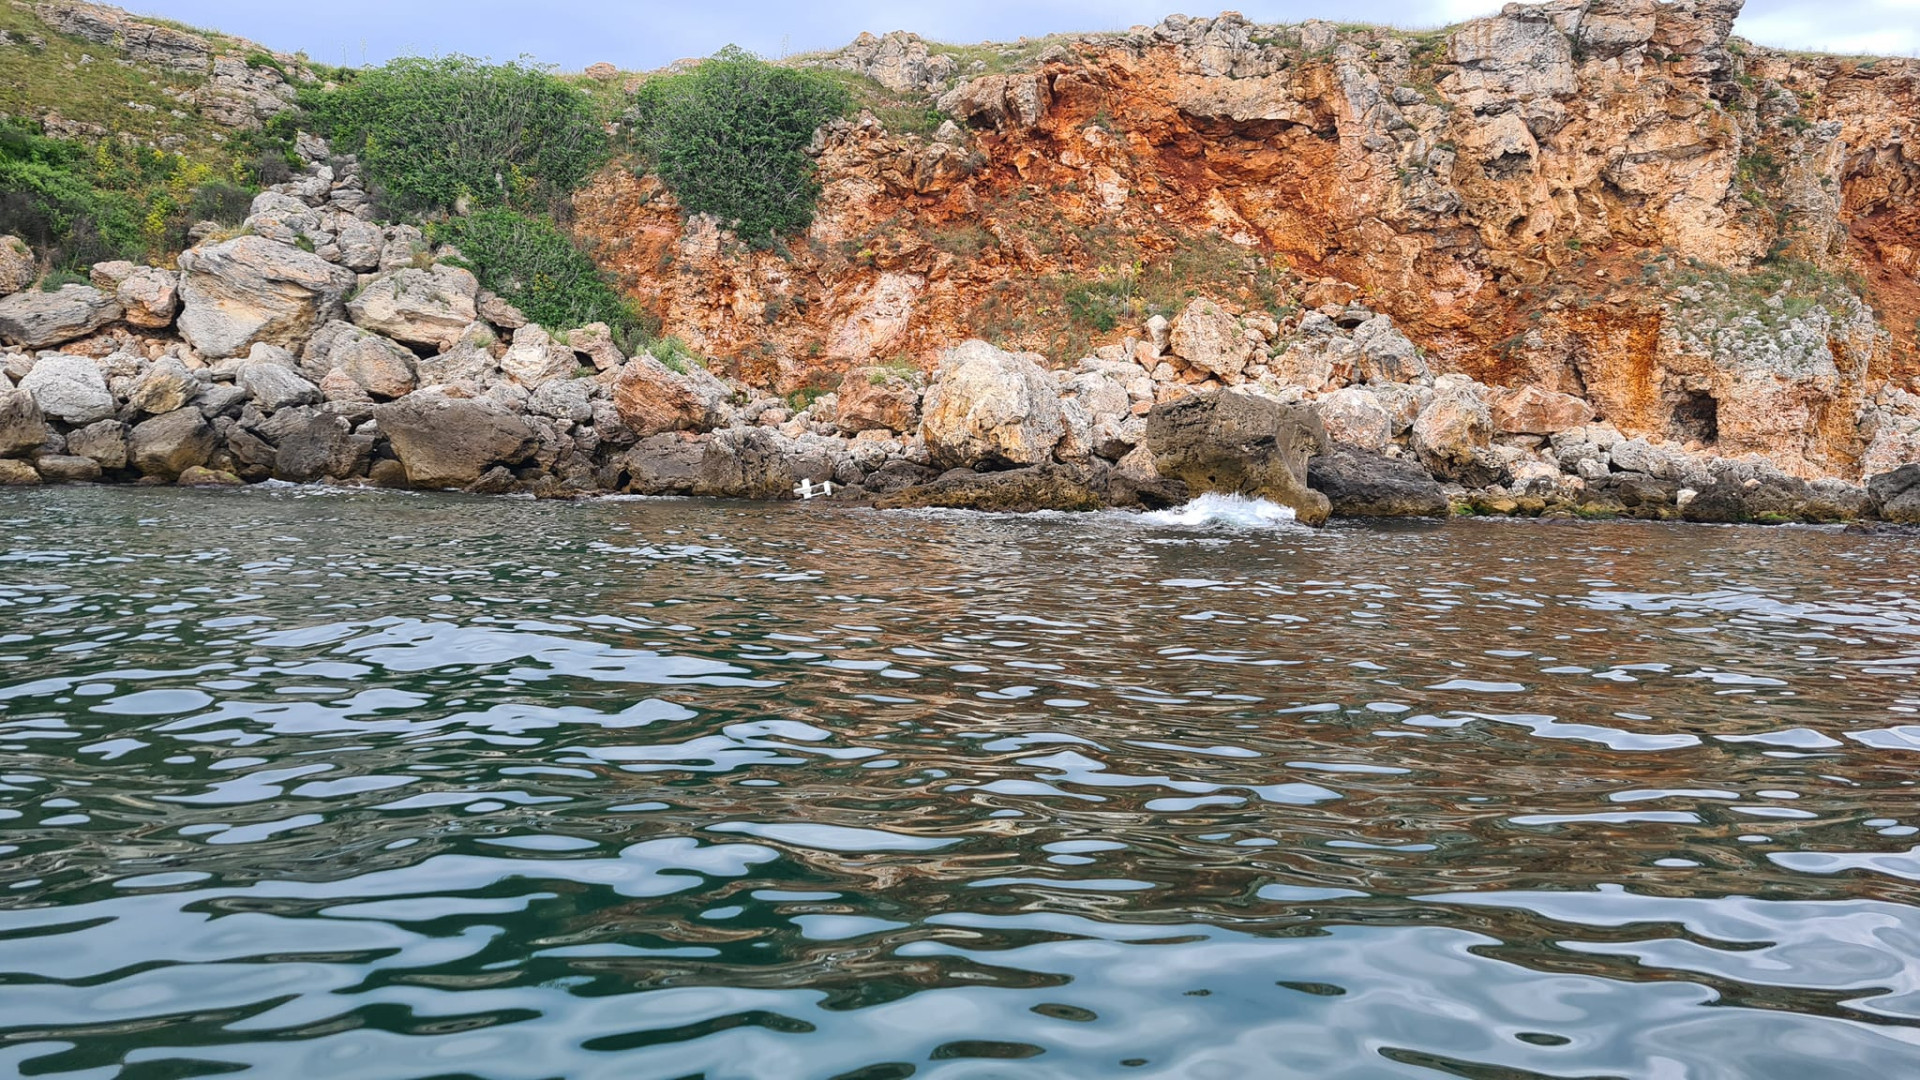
{"x":1705,"y":240}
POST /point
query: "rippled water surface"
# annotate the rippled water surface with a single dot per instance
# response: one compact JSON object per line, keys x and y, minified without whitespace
{"x":357,"y":785}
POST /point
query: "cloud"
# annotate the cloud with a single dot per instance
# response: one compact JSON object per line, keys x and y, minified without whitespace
{"x":648,"y":33}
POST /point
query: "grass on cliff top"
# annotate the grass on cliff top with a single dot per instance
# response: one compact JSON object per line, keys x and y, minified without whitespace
{"x":106,"y":90}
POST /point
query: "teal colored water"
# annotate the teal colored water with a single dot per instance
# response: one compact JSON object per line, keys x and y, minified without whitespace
{"x":297,"y":784}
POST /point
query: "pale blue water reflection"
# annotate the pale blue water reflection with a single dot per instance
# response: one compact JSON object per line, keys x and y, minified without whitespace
{"x":299,"y":783}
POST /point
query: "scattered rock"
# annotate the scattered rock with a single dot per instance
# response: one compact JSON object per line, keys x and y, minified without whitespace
{"x":17,"y":269}
{"x":1896,"y":495}
{"x":274,"y":385}
{"x":1020,"y":491}
{"x":1363,"y":484}
{"x":535,"y":358}
{"x":990,"y":407}
{"x":104,"y":443}
{"x":200,"y":476}
{"x":1355,"y":417}
{"x":450,"y":443}
{"x":166,"y":386}
{"x":70,"y":389}
{"x":1531,"y":410}
{"x":1211,"y":340}
{"x":67,"y":469}
{"x":879,"y":399}
{"x":1237,"y":442}
{"x":22,"y":427}
{"x":41,"y":320}
{"x":149,"y":297}
{"x":654,"y":399}
{"x":249,"y":290}
{"x":168,"y":445}
{"x":14,"y":473}
{"x":426,"y":308}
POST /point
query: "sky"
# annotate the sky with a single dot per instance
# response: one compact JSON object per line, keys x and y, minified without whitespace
{"x":645,"y":34}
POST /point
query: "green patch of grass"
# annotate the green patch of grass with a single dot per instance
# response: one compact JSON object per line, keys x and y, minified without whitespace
{"x":133,"y":102}
{"x":900,"y":114}
{"x":675,"y":356}
{"x":990,"y":58}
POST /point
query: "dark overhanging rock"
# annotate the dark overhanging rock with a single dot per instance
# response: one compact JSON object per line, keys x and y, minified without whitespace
{"x":1238,"y":443}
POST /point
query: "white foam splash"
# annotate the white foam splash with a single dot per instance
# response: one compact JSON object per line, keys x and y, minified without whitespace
{"x":1233,"y":511}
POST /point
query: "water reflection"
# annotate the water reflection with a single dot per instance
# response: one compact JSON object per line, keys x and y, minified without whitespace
{"x":376,"y":785}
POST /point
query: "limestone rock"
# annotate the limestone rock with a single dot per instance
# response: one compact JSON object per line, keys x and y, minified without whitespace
{"x":201,"y":476}
{"x":990,"y":407}
{"x":879,"y":399}
{"x":1896,"y":495}
{"x":104,"y":442}
{"x":427,"y":308}
{"x":1364,"y":484}
{"x":67,"y":469}
{"x":1531,"y":410}
{"x":1211,"y":340}
{"x":1019,"y":491}
{"x":166,"y":387}
{"x":41,"y":320}
{"x":308,"y":444}
{"x":496,"y":310}
{"x":15,"y":473}
{"x":1237,"y":442}
{"x":70,"y":389}
{"x":250,"y":290}
{"x":168,"y":445}
{"x":535,"y":357}
{"x":150,"y":297}
{"x":1097,"y":415}
{"x":284,"y":219}
{"x":17,"y":269}
{"x":274,"y":385}
{"x":378,"y":366}
{"x":653,"y":398}
{"x":22,"y":428}
{"x":1355,"y":417}
{"x":595,"y":342}
{"x":445,"y":442}
{"x":1384,"y":355}
{"x":1453,"y":432}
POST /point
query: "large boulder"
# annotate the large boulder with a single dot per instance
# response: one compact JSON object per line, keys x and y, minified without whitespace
{"x":1211,"y":340}
{"x":1097,"y":412}
{"x":1018,"y":491}
{"x":250,"y":290}
{"x":17,"y":269}
{"x":427,"y":308}
{"x":1896,"y":495}
{"x":1384,"y":355}
{"x":1241,"y":443}
{"x":1531,"y":410}
{"x":653,"y":398}
{"x":22,"y":428}
{"x":274,"y":385}
{"x":879,"y":399}
{"x":990,"y":407}
{"x":380,"y":367}
{"x":1355,"y":417}
{"x":169,"y":445}
{"x":309,"y":444}
{"x":70,"y":389}
{"x":41,"y":320}
{"x":166,"y":386}
{"x":149,"y":297}
{"x":451,"y":442}
{"x":1363,"y":484}
{"x":104,"y":442}
{"x":1454,"y":434}
{"x":18,"y":474}
{"x":535,"y":358}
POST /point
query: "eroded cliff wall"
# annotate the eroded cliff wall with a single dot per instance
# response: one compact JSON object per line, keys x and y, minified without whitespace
{"x":1714,"y":243}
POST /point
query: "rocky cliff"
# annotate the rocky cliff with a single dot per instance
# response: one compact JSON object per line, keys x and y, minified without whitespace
{"x":1588,"y":258}
{"x":1713,"y":243}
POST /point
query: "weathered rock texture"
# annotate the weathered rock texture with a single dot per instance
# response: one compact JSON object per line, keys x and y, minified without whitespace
{"x":1616,"y":201}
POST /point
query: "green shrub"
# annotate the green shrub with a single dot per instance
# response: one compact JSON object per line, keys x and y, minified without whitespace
{"x":434,"y":131}
{"x":730,"y":138}
{"x":537,"y":268}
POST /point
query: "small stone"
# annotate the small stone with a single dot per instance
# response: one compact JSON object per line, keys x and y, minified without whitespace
{"x":200,"y":476}
{"x":68,"y":469}
{"x":17,"y":474}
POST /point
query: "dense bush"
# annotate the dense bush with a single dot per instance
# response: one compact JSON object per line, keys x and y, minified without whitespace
{"x":76,"y":205}
{"x":729,"y":138}
{"x":434,"y":132}
{"x":537,"y":268}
